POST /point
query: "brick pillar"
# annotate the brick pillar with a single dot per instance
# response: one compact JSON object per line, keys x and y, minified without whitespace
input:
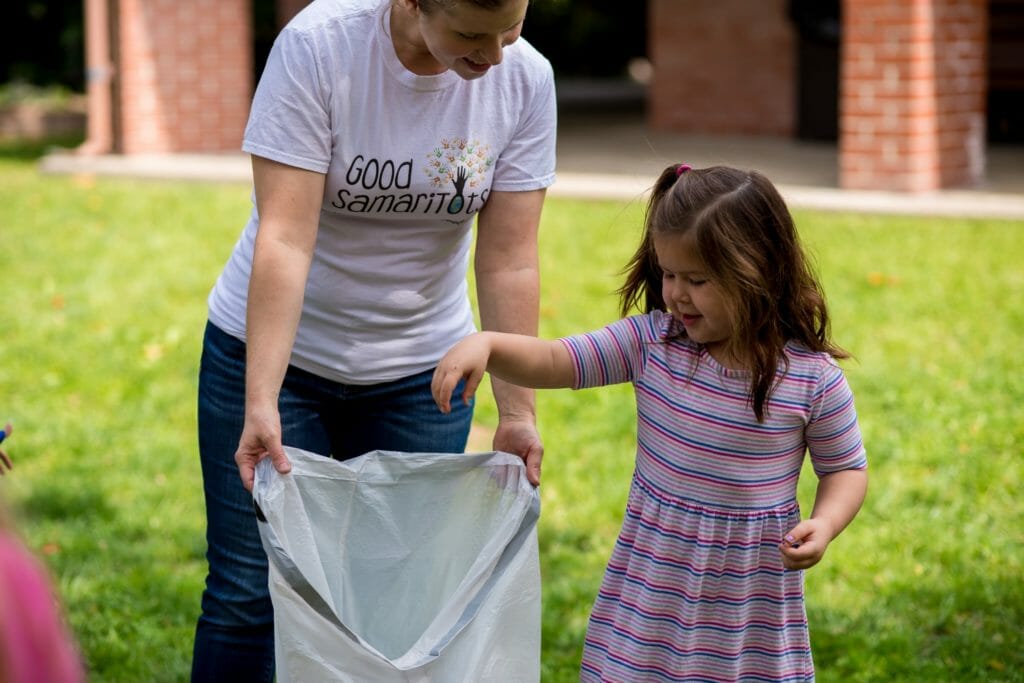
{"x":721,"y":67}
{"x":912,"y":102}
{"x":99,"y":74}
{"x":185,"y":74}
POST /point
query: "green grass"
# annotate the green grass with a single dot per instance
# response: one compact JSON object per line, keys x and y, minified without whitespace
{"x":104,"y":288}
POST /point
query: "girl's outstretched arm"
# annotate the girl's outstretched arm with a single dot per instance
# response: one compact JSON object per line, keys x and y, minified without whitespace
{"x":838,"y":499}
{"x":516,"y":358}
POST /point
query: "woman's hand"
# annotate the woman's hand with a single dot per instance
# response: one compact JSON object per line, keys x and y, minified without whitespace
{"x":261,"y":437}
{"x":520,"y":437}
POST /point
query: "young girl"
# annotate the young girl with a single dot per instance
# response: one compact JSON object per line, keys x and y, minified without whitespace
{"x":735,"y":379}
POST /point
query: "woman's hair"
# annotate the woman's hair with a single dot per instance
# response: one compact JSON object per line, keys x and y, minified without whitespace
{"x":429,"y":6}
{"x":746,"y":239}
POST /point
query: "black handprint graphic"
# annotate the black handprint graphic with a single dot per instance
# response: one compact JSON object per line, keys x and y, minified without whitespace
{"x":458,"y":201}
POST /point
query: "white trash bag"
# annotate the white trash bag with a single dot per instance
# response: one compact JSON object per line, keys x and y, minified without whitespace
{"x":404,"y":567}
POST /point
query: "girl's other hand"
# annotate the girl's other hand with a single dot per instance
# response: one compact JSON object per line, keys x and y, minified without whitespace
{"x":804,"y":545}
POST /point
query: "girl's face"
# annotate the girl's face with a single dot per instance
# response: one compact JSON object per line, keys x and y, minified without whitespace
{"x":469,"y":39}
{"x":691,"y":297}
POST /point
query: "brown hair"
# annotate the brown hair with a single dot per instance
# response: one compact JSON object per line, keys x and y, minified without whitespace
{"x":746,"y":238}
{"x":428,"y":6}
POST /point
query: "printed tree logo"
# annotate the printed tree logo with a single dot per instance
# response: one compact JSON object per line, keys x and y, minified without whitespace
{"x":461,"y":163}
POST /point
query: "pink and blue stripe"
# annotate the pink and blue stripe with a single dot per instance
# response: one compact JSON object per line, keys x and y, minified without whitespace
{"x":695,"y":589}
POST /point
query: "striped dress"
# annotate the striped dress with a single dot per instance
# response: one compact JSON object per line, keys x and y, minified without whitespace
{"x":695,"y":589}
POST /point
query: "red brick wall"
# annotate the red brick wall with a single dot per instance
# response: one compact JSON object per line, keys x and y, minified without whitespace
{"x":185,"y":75}
{"x":726,"y":66}
{"x":912,"y":103}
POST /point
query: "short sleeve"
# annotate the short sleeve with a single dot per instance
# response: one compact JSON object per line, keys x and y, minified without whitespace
{"x":833,"y":433}
{"x":290,"y":121}
{"x":528,"y":161}
{"x":614,"y":354}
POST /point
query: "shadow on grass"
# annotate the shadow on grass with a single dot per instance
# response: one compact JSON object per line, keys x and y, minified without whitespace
{"x":960,"y":627}
{"x":153,"y":600}
{"x":120,"y":568}
{"x":32,"y":150}
{"x":61,"y":502}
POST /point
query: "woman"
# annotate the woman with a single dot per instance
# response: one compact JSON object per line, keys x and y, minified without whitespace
{"x":379,"y":130}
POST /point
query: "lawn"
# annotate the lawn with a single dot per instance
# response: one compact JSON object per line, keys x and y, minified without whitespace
{"x":104,"y":285}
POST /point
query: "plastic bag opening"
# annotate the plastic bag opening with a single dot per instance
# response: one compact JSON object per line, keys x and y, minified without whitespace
{"x":405,"y":562}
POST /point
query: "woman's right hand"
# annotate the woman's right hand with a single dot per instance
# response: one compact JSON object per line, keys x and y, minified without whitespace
{"x":261,"y":437}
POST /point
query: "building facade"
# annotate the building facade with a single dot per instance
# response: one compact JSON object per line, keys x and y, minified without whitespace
{"x":902,"y":86}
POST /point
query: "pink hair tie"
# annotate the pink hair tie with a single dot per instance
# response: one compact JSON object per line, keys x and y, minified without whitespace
{"x":683,"y":168}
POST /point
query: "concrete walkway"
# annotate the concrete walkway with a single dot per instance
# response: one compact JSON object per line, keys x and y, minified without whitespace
{"x":612,"y":155}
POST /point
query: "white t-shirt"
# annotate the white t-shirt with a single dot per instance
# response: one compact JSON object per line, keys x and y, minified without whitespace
{"x":410,"y":160}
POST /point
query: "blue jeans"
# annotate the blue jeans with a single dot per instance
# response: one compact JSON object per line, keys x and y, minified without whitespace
{"x":235,"y":632}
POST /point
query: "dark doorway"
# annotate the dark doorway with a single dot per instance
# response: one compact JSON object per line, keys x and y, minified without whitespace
{"x":42,"y":44}
{"x":818,"y":24}
{"x":587,"y":41}
{"x":264,"y":31}
{"x":588,"y":38}
{"x":1006,"y":71}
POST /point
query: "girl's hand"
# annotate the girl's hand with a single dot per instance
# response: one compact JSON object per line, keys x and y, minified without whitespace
{"x":466,"y":360}
{"x":839,"y":497}
{"x":805,"y":544}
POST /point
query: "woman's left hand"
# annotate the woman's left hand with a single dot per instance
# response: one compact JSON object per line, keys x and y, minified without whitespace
{"x":520,"y":437}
